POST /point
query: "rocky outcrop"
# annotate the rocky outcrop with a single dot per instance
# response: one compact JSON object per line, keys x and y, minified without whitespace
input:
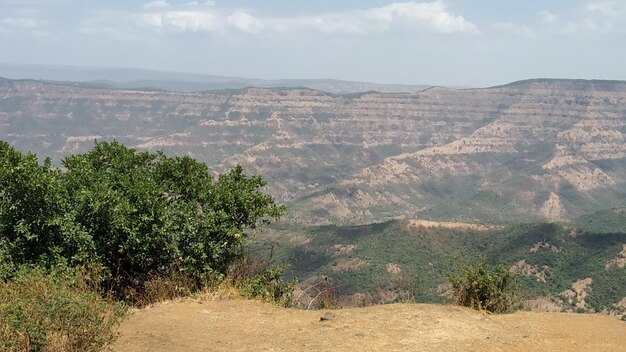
{"x":619,"y":261}
{"x":553,"y":209}
{"x":577,"y":294}
{"x":544,"y":245}
{"x":538,"y":272}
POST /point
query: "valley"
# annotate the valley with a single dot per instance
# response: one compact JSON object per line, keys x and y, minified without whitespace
{"x":385,"y":191}
{"x":573,"y":267}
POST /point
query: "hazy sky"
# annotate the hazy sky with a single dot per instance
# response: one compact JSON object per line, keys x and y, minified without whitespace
{"x":447,"y":42}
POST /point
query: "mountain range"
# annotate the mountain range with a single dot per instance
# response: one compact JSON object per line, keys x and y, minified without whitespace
{"x":536,"y":149}
{"x":128,"y":78}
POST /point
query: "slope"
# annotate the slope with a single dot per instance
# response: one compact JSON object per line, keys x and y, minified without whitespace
{"x":562,"y":266}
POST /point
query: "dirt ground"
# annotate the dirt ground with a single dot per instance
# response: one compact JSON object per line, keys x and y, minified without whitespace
{"x":239,"y":325}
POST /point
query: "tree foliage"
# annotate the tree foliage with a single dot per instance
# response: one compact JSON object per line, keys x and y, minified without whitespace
{"x":138,"y":214}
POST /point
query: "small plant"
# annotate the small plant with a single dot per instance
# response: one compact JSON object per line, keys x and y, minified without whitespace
{"x":257,"y":278}
{"x":321,"y":294}
{"x":484,"y":287}
{"x":269,"y":285}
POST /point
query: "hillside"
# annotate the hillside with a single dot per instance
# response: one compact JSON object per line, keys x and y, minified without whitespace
{"x":252,"y":326}
{"x":538,"y":149}
{"x":563,"y":268}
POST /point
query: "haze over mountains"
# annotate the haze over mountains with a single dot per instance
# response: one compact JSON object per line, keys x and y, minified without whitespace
{"x":127,"y":78}
{"x":537,"y":149}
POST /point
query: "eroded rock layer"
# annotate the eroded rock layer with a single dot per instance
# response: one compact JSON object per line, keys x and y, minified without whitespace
{"x":534,"y":149}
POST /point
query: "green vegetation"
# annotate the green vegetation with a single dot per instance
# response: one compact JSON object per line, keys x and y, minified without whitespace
{"x":604,"y":221}
{"x":425,"y":255}
{"x":268,"y":285}
{"x":144,"y":226}
{"x":483,"y":287}
{"x":136,"y":214}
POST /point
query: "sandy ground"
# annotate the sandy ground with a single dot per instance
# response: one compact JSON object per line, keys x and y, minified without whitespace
{"x":238,"y":325}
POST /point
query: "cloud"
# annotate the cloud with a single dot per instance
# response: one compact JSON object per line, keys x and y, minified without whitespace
{"x":548,"y":17}
{"x":409,"y":16}
{"x":159,"y":4}
{"x":179,"y":21}
{"x":591,"y":19}
{"x":245,"y":22}
{"x":433,"y":15}
{"x":604,"y":17}
{"x":597,"y":17}
{"x":19,"y":23}
{"x":10,"y":26}
{"x":604,"y":8}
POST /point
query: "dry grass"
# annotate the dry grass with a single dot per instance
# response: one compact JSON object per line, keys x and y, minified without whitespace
{"x":243,"y":325}
{"x":61,"y":312}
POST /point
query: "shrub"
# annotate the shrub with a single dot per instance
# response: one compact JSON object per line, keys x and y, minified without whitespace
{"x":484,"y":287}
{"x":258,"y":279}
{"x":33,"y":230}
{"x":141,"y":215}
{"x":55,"y":312}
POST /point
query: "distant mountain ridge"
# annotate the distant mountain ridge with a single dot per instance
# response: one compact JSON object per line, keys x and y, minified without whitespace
{"x":126,"y":78}
{"x":536,"y":149}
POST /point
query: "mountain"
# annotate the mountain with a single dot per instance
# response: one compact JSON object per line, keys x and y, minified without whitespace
{"x":126,"y":78}
{"x":529,"y":150}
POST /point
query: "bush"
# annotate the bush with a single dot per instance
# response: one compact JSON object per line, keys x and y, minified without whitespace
{"x":484,"y":287}
{"x":258,"y":279}
{"x":141,"y":215}
{"x":31,"y":215}
{"x":55,"y":312}
{"x":269,"y":286}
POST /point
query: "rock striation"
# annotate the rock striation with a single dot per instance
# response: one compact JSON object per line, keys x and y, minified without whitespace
{"x":548,"y":149}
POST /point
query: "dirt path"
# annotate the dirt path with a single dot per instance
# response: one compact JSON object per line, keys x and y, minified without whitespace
{"x":237,"y":325}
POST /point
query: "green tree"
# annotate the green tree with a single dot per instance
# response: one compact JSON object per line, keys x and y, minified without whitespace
{"x":139,"y":214}
{"x":34,"y":229}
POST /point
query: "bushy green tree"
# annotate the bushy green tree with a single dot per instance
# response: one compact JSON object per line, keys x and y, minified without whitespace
{"x":34,"y":227}
{"x":139,"y":214}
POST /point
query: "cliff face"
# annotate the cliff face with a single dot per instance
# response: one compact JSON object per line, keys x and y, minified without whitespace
{"x":542,"y":148}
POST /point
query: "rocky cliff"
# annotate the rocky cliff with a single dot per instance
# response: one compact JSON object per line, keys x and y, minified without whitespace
{"x":532,"y":149}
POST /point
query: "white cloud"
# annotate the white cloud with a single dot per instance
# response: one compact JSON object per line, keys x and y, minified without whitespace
{"x":404,"y":16}
{"x":245,"y":22}
{"x":548,"y":17}
{"x":604,"y":8}
{"x":159,"y":4}
{"x":192,"y":21}
{"x":591,"y":19}
{"x":209,"y":3}
{"x":179,"y":21}
{"x":434,"y":15}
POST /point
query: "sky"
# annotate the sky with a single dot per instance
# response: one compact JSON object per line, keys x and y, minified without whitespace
{"x":441,"y":42}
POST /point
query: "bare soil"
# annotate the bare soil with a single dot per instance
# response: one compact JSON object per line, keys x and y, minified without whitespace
{"x":240,"y":325}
